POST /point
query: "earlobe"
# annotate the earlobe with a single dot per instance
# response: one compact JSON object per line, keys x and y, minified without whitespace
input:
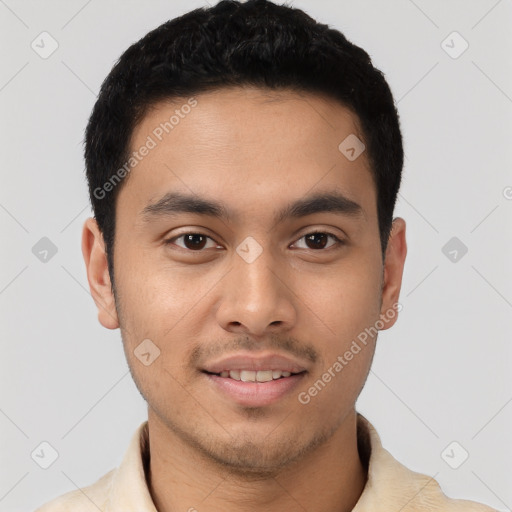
{"x":95,"y":258}
{"x":396,"y":252}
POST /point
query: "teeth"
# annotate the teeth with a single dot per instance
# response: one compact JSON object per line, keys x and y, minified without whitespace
{"x":264,"y":375}
{"x":247,"y":376}
{"x":254,"y":376}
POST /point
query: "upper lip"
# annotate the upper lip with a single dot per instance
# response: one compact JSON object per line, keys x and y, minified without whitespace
{"x":255,"y":363}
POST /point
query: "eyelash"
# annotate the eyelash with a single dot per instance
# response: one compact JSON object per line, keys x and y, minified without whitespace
{"x":338,"y":241}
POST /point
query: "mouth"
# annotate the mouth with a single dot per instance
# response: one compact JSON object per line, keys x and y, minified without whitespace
{"x":250,"y":388}
{"x":255,"y":376}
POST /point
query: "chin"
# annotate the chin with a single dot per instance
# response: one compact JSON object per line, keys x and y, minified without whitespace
{"x":258,"y":456}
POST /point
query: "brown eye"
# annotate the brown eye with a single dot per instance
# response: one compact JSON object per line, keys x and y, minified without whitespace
{"x":191,"y":241}
{"x":319,"y":239}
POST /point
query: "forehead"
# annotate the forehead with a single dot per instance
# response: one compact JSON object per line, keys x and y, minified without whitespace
{"x":249,"y":117}
{"x":242,"y":142}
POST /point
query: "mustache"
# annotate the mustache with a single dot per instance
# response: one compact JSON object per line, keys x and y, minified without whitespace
{"x":201,"y":353}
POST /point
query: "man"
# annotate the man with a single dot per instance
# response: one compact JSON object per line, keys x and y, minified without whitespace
{"x":243,"y":165}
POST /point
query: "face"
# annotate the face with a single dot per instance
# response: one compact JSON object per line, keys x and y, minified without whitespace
{"x":247,"y":247}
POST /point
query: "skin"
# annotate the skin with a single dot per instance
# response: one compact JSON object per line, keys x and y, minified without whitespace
{"x":255,"y":152}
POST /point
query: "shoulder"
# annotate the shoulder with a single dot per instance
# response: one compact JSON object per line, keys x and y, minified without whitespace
{"x":88,"y":499}
{"x":393,"y":486}
{"x":416,"y":492}
{"x":423,"y":493}
{"x":120,"y":489}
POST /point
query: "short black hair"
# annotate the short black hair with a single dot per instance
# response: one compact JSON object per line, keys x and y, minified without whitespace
{"x":254,"y":43}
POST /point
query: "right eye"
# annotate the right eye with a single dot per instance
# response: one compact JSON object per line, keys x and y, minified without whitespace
{"x":192,"y":241}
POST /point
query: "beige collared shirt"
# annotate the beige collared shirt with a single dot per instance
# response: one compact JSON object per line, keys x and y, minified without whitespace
{"x":390,"y":487}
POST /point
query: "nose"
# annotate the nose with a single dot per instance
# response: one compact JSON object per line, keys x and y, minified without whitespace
{"x":257,"y":297}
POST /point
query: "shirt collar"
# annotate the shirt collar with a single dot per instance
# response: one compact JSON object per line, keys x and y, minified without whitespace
{"x":129,"y":490}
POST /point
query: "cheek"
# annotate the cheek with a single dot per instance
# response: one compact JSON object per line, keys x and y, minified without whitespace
{"x":347,"y":306}
{"x":347,"y":299}
{"x":154,"y":295}
{"x":347,"y":352}
{"x":164,"y":304}
{"x":157,"y":307}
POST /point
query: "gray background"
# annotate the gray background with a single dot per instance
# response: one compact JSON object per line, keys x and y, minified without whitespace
{"x":442,"y":374}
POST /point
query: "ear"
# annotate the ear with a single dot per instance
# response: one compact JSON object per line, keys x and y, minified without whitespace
{"x":396,"y":252}
{"x":93,"y":250}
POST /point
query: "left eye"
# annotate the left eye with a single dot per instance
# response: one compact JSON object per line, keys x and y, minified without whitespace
{"x":319,"y":240}
{"x":198,"y":241}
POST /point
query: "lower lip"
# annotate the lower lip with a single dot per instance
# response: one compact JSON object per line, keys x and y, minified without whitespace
{"x":255,"y":394}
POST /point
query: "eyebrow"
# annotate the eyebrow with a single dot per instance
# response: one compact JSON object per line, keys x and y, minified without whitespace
{"x":175,"y":203}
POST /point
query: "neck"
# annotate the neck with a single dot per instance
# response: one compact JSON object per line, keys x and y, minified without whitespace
{"x":331,"y":478}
